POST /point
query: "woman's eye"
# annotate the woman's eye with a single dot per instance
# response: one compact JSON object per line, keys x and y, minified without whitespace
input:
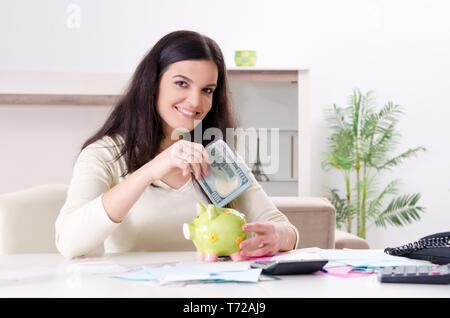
{"x":184,"y":84}
{"x":181,"y":83}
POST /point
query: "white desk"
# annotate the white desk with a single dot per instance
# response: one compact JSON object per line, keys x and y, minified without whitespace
{"x":65,"y":283}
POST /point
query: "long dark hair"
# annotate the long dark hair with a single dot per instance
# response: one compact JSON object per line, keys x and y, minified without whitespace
{"x":135,"y":117}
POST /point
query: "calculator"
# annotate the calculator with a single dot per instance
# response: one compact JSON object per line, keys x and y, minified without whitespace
{"x":423,"y":274}
{"x":289,"y":267}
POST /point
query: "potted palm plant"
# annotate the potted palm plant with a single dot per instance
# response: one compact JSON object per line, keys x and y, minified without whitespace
{"x":360,"y":147}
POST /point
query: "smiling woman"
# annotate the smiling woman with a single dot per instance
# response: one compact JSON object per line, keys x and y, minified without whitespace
{"x":132,"y":187}
{"x":184,"y":94}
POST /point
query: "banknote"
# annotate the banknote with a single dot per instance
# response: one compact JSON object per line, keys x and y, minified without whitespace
{"x":227,"y":179}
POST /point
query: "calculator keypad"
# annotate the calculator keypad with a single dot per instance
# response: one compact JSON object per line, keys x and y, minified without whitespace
{"x":425,"y":274}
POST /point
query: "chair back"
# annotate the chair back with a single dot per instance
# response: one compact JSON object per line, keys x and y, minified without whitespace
{"x":27,"y":219}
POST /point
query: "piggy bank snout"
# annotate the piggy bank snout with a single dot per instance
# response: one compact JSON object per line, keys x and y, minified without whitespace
{"x":187,"y":231}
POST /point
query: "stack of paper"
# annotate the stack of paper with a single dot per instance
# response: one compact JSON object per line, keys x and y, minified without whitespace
{"x":368,"y":260}
{"x":194,"y":272}
{"x":293,"y":255}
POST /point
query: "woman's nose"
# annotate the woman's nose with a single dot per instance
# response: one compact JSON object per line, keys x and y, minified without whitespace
{"x":195,"y":99}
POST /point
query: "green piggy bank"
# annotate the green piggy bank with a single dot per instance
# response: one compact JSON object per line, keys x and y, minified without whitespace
{"x":216,"y":232}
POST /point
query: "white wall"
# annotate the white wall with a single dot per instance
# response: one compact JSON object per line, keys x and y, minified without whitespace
{"x":400,"y":49}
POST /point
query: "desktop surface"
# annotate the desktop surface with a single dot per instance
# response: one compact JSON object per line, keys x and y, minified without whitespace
{"x":65,"y":279}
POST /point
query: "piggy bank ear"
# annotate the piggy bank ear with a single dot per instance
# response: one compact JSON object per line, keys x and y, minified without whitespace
{"x":200,"y":208}
{"x":212,"y":212}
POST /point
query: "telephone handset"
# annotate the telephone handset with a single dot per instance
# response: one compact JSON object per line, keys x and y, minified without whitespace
{"x":434,"y":248}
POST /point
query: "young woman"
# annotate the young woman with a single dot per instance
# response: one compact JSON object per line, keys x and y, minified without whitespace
{"x":132,"y":186}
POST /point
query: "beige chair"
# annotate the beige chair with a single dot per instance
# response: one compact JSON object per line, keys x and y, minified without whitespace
{"x":315,"y":218}
{"x":27,"y":220}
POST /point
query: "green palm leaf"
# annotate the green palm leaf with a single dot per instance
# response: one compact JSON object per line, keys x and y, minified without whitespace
{"x":401,"y":211}
{"x":376,"y":204}
{"x":397,"y":159}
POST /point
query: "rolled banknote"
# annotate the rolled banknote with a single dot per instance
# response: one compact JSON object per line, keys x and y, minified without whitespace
{"x":227,"y":179}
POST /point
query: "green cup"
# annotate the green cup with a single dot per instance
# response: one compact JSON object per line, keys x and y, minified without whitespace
{"x":245,"y":58}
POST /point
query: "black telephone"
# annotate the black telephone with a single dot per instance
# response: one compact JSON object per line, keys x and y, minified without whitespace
{"x":434,"y":248}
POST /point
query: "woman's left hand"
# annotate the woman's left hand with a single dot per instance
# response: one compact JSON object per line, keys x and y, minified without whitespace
{"x":271,"y":238}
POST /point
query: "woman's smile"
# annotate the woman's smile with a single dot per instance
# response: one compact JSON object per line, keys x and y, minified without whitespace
{"x":188,"y":113}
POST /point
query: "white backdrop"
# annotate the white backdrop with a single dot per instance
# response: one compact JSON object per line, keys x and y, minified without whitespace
{"x":400,"y":49}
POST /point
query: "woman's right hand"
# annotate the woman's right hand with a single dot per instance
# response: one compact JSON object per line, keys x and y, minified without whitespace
{"x":183,"y":156}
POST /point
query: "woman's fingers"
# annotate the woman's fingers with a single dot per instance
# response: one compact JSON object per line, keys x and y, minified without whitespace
{"x":253,"y":242}
{"x":195,"y":161}
{"x":196,"y":169}
{"x":183,"y":165}
{"x":259,"y":227}
{"x":201,"y":161}
{"x":261,"y":247}
{"x":206,"y":162}
{"x":197,"y":156}
{"x":266,"y":250}
{"x":265,"y":243}
{"x":194,"y":155}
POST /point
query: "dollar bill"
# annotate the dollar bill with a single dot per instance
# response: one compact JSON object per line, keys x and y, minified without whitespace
{"x":227,"y":179}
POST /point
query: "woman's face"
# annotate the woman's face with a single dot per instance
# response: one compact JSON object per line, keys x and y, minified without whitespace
{"x":185,"y":94}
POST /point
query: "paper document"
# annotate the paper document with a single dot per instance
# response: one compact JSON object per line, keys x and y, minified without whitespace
{"x":345,"y":272}
{"x":364,"y":258}
{"x":195,"y":272}
{"x":297,"y":255}
{"x":293,"y":255}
